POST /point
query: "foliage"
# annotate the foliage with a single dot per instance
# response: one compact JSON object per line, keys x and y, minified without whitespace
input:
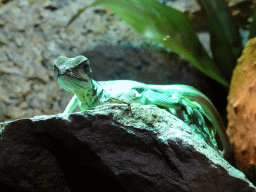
{"x":172,"y":28}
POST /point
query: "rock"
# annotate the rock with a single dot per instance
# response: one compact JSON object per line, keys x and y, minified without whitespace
{"x":147,"y":150}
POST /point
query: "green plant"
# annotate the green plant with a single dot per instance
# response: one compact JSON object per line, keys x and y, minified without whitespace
{"x":172,"y":28}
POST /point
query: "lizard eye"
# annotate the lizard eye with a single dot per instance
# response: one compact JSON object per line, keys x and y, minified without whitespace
{"x":85,"y":66}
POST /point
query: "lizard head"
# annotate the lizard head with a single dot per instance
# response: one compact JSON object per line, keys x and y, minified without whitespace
{"x":75,"y":75}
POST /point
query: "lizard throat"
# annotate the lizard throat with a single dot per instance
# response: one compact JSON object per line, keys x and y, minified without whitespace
{"x":83,"y":89}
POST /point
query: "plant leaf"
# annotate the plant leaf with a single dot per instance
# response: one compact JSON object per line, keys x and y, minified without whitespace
{"x":169,"y":27}
{"x":253,"y":27}
{"x":77,"y":15}
{"x":226,"y":44}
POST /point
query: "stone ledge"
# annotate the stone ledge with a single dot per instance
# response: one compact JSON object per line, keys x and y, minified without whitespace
{"x":148,"y":150}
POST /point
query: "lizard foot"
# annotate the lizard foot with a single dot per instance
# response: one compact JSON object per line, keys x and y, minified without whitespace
{"x":192,"y":111}
{"x":189,"y":111}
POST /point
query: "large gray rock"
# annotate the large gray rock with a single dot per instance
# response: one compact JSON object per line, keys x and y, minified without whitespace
{"x":146,"y":150}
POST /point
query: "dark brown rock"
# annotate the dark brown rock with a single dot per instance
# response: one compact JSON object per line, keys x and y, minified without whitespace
{"x":149,"y":150}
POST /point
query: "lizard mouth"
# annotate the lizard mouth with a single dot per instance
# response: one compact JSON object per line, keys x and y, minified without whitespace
{"x":78,"y":78}
{"x":72,"y":76}
{"x":69,"y":82}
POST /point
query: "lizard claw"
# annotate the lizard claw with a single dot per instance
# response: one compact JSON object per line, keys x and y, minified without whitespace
{"x":189,"y":110}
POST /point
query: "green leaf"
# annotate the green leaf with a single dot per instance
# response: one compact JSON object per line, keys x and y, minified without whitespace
{"x":77,"y":15}
{"x":169,"y":27}
{"x":253,"y":27}
{"x":226,"y":42}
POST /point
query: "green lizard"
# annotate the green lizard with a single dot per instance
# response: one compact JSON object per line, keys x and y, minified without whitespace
{"x":75,"y":75}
